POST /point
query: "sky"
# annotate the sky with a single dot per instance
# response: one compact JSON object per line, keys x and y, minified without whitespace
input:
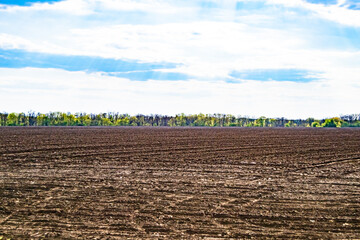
{"x":273,"y":58}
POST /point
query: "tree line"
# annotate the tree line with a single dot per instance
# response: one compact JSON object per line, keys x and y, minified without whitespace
{"x":193,"y":120}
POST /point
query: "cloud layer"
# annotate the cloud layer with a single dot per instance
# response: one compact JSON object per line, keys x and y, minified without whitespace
{"x":273,"y":57}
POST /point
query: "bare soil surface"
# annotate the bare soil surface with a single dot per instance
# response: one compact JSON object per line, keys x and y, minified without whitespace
{"x":179,"y":183}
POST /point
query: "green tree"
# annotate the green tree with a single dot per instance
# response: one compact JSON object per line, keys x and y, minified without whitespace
{"x":106,"y":122}
{"x":12,"y":119}
{"x":332,"y":122}
{"x":172,"y":122}
{"x":289,"y":124}
{"x":125,"y":121}
{"x":260,"y":122}
{"x":180,"y":120}
{"x":315,"y":124}
{"x":134,"y":121}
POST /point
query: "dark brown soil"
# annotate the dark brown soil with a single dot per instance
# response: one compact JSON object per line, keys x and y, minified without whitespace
{"x":179,"y":183}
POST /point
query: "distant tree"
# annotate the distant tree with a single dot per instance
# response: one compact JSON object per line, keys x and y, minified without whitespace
{"x":180,"y":120}
{"x":125,"y":121}
{"x":12,"y":119}
{"x":260,"y":122}
{"x":106,"y":122}
{"x":289,"y":124}
{"x":141,"y":120}
{"x":199,"y":120}
{"x":3,"y":119}
{"x":332,"y":122}
{"x":211,"y":120}
{"x":172,"y":122}
{"x":271,"y":122}
{"x":22,"y":120}
{"x":134,"y":121}
{"x":352,"y":124}
{"x":315,"y":124}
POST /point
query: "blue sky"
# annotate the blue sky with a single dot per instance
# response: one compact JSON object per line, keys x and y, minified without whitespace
{"x":14,"y":58}
{"x":25,"y":2}
{"x":250,"y":57}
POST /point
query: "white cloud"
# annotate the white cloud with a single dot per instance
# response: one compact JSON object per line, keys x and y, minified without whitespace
{"x":211,"y":49}
{"x":335,"y":12}
{"x":58,"y":90}
{"x":217,"y":47}
{"x":154,"y":6}
{"x":207,"y":44}
{"x":8,"y":41}
{"x":206,"y":49}
{"x":14,"y":42}
{"x":339,"y":13}
{"x":88,"y":7}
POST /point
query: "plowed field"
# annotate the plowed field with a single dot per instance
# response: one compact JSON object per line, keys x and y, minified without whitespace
{"x":179,"y":183}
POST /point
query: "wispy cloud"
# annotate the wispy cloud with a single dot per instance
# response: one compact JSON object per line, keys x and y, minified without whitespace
{"x":290,"y":75}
